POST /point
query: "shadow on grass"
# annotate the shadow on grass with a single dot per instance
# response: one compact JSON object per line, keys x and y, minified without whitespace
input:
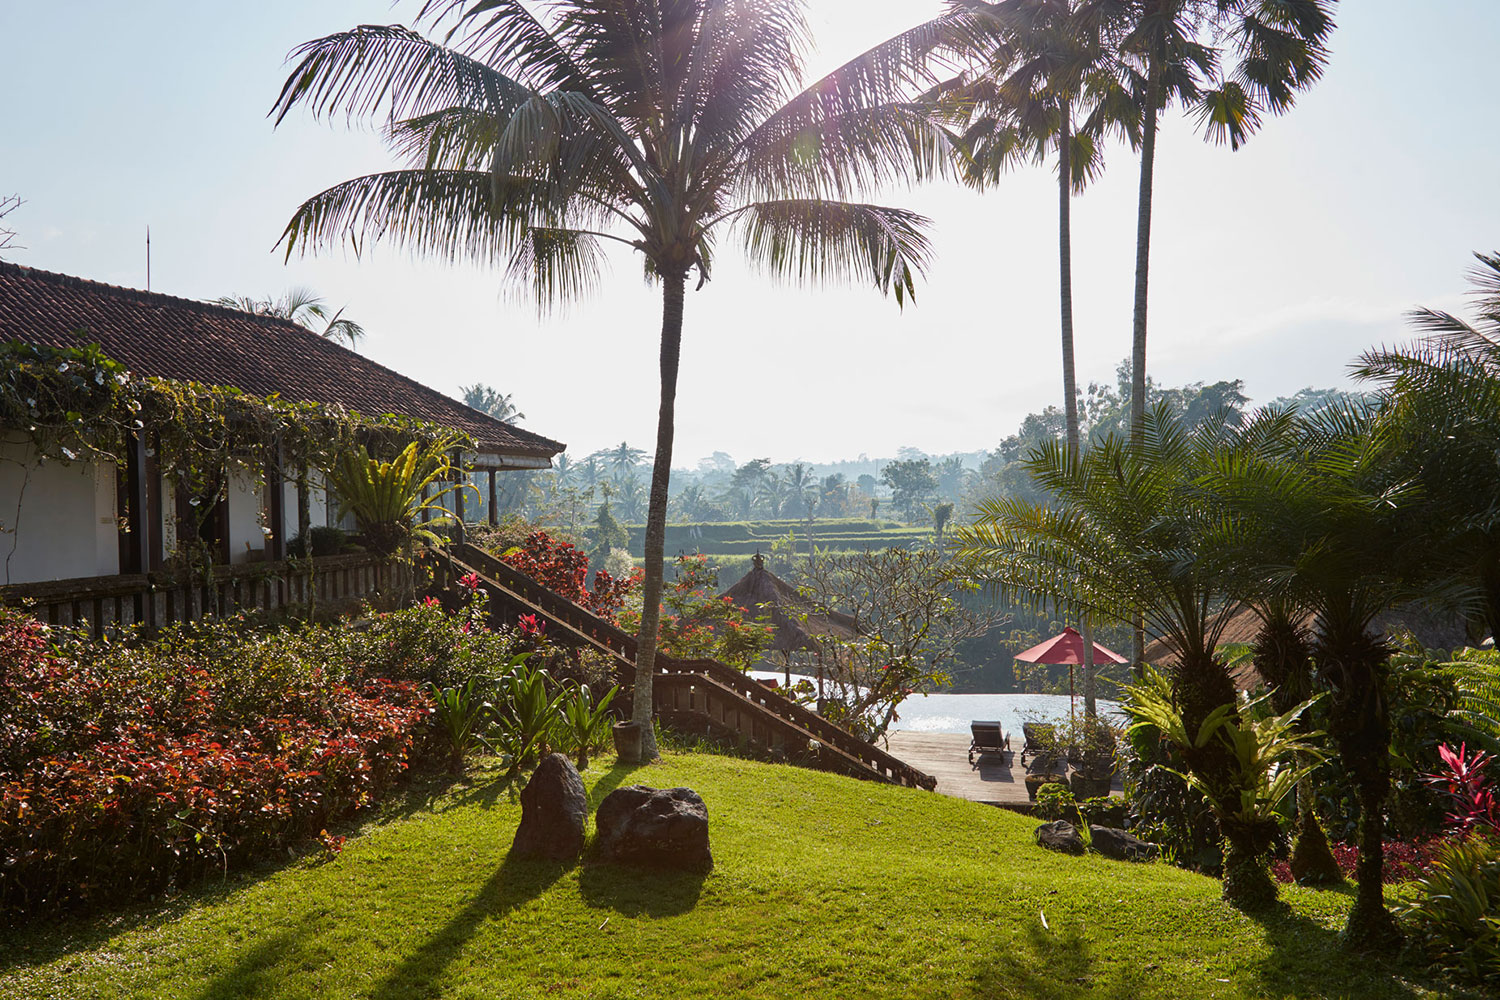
{"x":1044,"y":964}
{"x":259,"y":968}
{"x":516,"y":882}
{"x":1309,"y":958}
{"x":633,"y":892}
{"x":610,"y":780}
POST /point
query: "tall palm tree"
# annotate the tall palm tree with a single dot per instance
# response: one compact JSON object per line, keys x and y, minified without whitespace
{"x":624,"y":459}
{"x":1177,"y":49}
{"x":1053,"y":86}
{"x":662,"y":125}
{"x":303,"y":307}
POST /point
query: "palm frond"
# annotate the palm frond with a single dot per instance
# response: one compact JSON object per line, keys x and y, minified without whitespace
{"x":556,"y":265}
{"x":809,"y":239}
{"x":390,"y":71}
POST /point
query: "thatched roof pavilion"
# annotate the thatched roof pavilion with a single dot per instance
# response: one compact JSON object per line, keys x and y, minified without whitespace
{"x":761,"y":592}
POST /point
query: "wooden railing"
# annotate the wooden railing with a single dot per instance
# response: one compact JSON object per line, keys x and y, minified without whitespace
{"x":161,"y":598}
{"x":721,"y":685}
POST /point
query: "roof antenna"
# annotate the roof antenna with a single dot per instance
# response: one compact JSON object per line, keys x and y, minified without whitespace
{"x":148,"y":258}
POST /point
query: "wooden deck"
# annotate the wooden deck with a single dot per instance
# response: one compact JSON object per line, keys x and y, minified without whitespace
{"x":998,"y":780}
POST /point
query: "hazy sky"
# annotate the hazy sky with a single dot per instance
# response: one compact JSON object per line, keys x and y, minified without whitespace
{"x":1276,"y":264}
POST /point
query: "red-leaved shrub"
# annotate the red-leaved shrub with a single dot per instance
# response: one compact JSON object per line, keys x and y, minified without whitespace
{"x":143,"y":769}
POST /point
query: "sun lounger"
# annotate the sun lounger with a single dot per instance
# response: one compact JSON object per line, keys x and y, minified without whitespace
{"x":987,"y":738}
{"x":1040,"y":738}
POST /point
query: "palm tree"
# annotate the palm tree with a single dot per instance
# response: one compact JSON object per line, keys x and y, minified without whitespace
{"x":1053,"y":68}
{"x":590,"y":470}
{"x":488,"y":399}
{"x":675,"y":124}
{"x":1125,"y":533}
{"x":1441,"y":404}
{"x":1175,"y":49}
{"x":303,"y":307}
{"x":624,"y":459}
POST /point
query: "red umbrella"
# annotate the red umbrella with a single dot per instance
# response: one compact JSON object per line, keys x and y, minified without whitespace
{"x":1067,"y":647}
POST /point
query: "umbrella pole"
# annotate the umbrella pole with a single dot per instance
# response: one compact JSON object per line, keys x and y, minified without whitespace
{"x":1070,"y":693}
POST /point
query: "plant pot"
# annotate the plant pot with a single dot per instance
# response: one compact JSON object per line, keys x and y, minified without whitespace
{"x":1035,"y":781}
{"x":628,"y":742}
{"x":1085,"y":787}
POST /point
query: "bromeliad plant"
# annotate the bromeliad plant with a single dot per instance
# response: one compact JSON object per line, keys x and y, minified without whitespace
{"x":1268,"y":755}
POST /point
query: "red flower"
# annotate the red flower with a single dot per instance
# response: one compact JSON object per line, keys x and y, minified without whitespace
{"x":532,"y":625}
{"x":470,"y":581}
{"x":431,"y":602}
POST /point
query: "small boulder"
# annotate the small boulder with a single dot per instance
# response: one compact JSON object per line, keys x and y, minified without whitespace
{"x":553,"y":808}
{"x":1060,"y":836}
{"x":1113,"y":842}
{"x":664,"y":828}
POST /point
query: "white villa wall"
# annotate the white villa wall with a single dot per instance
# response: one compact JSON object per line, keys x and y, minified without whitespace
{"x":67,"y":524}
{"x":247,"y":540}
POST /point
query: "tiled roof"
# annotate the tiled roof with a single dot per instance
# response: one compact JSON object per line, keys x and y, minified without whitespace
{"x":154,"y":334}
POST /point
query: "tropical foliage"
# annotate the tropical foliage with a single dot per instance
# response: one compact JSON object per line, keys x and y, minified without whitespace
{"x":303,"y":307}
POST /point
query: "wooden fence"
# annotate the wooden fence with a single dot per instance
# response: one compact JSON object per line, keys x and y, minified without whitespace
{"x":161,"y":598}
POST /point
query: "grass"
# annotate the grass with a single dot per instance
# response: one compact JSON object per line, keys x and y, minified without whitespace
{"x":823,"y":886}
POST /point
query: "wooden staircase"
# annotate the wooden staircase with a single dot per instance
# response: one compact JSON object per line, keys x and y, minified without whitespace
{"x":697,"y":695}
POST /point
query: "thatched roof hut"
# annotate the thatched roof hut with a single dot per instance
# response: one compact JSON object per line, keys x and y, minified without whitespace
{"x":762,"y":593}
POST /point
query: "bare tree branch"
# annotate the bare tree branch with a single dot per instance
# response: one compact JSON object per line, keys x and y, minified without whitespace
{"x":8,"y":204}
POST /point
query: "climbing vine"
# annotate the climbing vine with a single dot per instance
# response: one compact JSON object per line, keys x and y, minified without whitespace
{"x":76,"y":404}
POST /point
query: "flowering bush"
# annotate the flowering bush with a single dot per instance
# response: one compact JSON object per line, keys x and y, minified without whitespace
{"x":1472,"y":801}
{"x":127,"y":769}
{"x":564,"y":569}
{"x":1452,"y":918}
{"x":695,"y":623}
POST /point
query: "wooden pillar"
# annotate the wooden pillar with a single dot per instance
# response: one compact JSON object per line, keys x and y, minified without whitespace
{"x":461,"y":480}
{"x":137,"y":481}
{"x":494,"y":502}
{"x":276,"y":546}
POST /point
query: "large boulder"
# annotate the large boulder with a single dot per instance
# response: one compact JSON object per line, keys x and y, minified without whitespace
{"x":663,"y":828}
{"x":553,"y":808}
{"x":1060,"y":836}
{"x":1113,"y":842}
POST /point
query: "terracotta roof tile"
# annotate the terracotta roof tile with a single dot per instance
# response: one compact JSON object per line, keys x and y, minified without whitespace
{"x":169,"y":337}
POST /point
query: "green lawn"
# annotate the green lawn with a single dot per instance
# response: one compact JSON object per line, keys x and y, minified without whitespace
{"x":823,"y":886}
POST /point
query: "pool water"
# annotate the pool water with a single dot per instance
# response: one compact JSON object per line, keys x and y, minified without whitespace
{"x":952,"y":713}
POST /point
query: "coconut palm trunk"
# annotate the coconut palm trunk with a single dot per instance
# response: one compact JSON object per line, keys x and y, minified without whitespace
{"x":673,"y":288}
{"x":1069,"y":371}
{"x":1143,"y":261}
